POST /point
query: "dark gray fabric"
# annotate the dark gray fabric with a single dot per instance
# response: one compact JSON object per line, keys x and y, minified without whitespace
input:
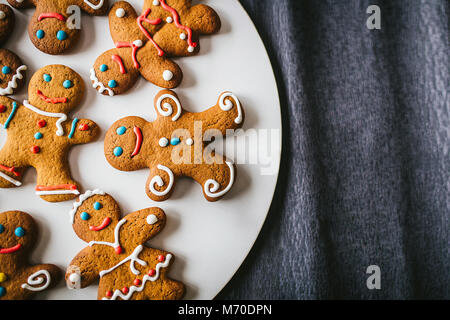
{"x":365,"y":176}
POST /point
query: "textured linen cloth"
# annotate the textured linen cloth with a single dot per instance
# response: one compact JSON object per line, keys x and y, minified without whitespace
{"x":365,"y":174}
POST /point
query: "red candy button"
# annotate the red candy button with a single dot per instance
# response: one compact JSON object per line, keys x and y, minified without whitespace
{"x":152,"y":272}
{"x":109,"y":294}
{"x":41,"y":123}
{"x":161,"y":258}
{"x":118,"y":250}
{"x":35,"y":149}
{"x":2,"y":108}
{"x":137,"y":282}
{"x":125,"y":290}
{"x":83,"y":127}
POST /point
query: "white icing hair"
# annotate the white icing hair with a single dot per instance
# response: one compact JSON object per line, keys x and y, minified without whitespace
{"x":83,"y":198}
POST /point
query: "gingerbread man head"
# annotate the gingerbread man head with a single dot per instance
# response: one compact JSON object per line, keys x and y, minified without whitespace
{"x":56,"y":89}
{"x":174,"y":145}
{"x":116,"y":252}
{"x":12,"y":72}
{"x":19,"y":279}
{"x":51,"y":29}
{"x":7,"y":21}
{"x":146,"y":43}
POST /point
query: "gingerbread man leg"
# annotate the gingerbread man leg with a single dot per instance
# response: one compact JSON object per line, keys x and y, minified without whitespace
{"x":54,"y":182}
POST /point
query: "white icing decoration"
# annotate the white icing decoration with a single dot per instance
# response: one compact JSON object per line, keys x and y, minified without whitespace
{"x":133,"y":289}
{"x":169,"y":110}
{"x":167,"y":75}
{"x":134,"y":257}
{"x":34,"y":280}
{"x":75,"y":278}
{"x":62,"y":117}
{"x":227,"y":105}
{"x":163,"y":142}
{"x":189,"y":142}
{"x":120,"y":13}
{"x":93,"y":6}
{"x":169,"y":19}
{"x":2,"y":15}
{"x":56,"y":192}
{"x":13,"y":83}
{"x":191,"y":49}
{"x":80,"y":201}
{"x":116,"y":242}
{"x":156,"y":2}
{"x":152,"y":219}
{"x":9,"y":179}
{"x":211,"y":186}
{"x":96,"y":83}
{"x":138,"y":43}
{"x":158,"y":180}
{"x":182,"y":36}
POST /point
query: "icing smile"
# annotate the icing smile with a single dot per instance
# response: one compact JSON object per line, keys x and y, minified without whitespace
{"x":11,"y":249}
{"x":139,"y":140}
{"x":51,"y":100}
{"x":102,"y":226}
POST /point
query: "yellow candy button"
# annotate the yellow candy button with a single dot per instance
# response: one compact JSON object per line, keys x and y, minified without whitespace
{"x":2,"y":277}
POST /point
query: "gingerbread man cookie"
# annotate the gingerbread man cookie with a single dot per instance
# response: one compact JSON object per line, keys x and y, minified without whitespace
{"x":39,"y":133}
{"x":7,"y":21}
{"x":145,"y":44}
{"x":51,"y":29}
{"x":117,"y":254}
{"x":174,"y":145}
{"x":20,"y":280}
{"x":12,"y":73}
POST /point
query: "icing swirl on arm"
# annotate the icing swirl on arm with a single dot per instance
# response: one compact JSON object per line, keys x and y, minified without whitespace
{"x":13,"y":83}
{"x":94,"y":6}
{"x":38,"y":278}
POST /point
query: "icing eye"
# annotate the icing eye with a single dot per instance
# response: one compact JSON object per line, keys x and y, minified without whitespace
{"x":121,"y":131}
{"x":103,"y":68}
{"x":67,"y":84}
{"x":47,"y":77}
{"x":40,"y":34}
{"x":6,"y":70}
{"x":85,"y":216}
{"x":2,"y":228}
{"x":112,"y":83}
{"x":98,"y":206}
{"x":118,"y":151}
{"x":20,"y":232}
{"x":61,"y":35}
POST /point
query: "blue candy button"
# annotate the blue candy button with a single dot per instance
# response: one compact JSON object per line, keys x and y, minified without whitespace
{"x":118,"y":151}
{"x":40,"y":34}
{"x":97,"y":206}
{"x":2,"y":228}
{"x":6,"y":70}
{"x":20,"y":232}
{"x":61,"y":35}
{"x":121,"y":130}
{"x":112,"y":83}
{"x":175,"y":141}
{"x":38,"y":136}
{"x":85,"y":216}
{"x":2,"y":291}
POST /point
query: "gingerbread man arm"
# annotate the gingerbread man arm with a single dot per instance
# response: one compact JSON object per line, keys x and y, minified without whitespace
{"x":81,"y":131}
{"x":22,"y":4}
{"x":83,"y":269}
{"x":123,"y":23}
{"x":227,"y":114}
{"x":203,"y":19}
{"x":8,"y":111}
{"x":93,"y":7}
{"x":141,"y":226}
{"x":160,"y":183}
{"x":40,"y":277}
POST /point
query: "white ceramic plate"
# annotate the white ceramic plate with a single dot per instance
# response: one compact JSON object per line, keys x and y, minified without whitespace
{"x":210,"y":240}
